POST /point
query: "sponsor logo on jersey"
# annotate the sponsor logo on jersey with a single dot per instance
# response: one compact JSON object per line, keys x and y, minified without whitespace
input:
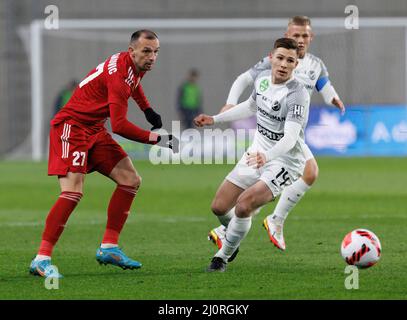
{"x":311,"y":74}
{"x":275,"y":136}
{"x":264,"y":84}
{"x":273,"y":117}
{"x":276,"y":105}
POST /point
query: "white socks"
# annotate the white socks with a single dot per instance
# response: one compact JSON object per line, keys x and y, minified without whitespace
{"x":225,"y":219}
{"x":235,"y":233}
{"x":40,"y":257}
{"x":108,"y":245}
{"x":290,"y":197}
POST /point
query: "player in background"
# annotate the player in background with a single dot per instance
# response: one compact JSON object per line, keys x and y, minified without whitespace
{"x":312,"y":72}
{"x":80,"y":144}
{"x":274,"y":159}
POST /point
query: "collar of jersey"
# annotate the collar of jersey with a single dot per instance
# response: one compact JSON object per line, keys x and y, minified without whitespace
{"x":130,"y":62}
{"x":283,"y":83}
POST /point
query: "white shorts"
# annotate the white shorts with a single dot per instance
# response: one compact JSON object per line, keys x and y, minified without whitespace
{"x":307,"y":151}
{"x":275,"y":174}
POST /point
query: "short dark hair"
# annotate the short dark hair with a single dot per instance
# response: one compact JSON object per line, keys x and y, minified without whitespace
{"x":194,"y":72}
{"x":286,"y":43}
{"x":145,"y":33}
{"x":300,"y":21}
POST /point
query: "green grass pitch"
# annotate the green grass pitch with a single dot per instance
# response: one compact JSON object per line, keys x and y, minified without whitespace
{"x":167,"y":232}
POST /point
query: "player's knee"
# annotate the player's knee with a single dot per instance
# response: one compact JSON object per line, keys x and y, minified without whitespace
{"x":311,"y":173}
{"x":131,"y":180}
{"x":217,"y":207}
{"x":135,"y":181}
{"x":244,"y":207}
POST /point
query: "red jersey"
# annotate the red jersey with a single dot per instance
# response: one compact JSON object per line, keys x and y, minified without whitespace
{"x":104,"y":93}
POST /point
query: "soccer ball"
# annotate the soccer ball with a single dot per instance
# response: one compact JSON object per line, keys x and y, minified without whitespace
{"x":361,"y":248}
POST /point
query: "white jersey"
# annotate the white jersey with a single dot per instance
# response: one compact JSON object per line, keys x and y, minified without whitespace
{"x":276,"y":104}
{"x":311,"y":71}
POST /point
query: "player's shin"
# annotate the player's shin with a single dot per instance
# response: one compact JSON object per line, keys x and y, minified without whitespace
{"x":225,"y":219}
{"x":290,"y":196}
{"x":236,"y":232}
{"x":55,"y":223}
{"x":117,"y":213}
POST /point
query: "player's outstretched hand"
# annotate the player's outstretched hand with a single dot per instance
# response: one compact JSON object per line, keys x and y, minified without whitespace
{"x":154,"y":118}
{"x":339,"y":104}
{"x":255,"y":159}
{"x":226,"y":107}
{"x":203,"y":120}
{"x":168,"y":141}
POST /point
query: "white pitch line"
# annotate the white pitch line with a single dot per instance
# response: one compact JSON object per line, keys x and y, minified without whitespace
{"x":146,"y":217}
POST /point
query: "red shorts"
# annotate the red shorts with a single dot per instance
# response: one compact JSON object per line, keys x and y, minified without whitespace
{"x":75,"y":147}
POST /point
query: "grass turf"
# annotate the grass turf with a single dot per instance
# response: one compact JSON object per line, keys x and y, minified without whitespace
{"x":167,"y":231}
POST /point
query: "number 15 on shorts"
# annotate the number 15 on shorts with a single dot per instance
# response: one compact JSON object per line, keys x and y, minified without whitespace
{"x":78,"y":158}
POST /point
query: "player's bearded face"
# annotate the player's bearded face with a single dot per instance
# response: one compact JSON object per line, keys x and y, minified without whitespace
{"x":283,"y":62}
{"x":303,"y":35}
{"x":144,"y":53}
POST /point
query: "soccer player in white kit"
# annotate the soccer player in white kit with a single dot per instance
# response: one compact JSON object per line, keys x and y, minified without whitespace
{"x":275,"y":159}
{"x":312,"y":72}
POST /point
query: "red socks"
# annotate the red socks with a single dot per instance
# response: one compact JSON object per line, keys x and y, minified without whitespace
{"x":118,"y":212}
{"x":57,"y":217}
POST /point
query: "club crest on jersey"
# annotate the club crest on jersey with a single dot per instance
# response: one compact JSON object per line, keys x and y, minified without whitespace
{"x":264,"y":84}
{"x":311,"y":74}
{"x":276,"y":105}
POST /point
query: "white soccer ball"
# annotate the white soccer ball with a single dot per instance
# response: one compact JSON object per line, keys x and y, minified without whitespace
{"x":361,"y":248}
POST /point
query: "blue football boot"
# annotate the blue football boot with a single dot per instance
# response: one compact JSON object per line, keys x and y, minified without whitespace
{"x":116,"y":257}
{"x":45,"y":269}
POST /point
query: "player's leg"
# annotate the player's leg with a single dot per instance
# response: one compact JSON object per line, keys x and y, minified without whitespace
{"x":67,"y":160}
{"x":291,"y":195}
{"x":128,"y":182}
{"x":224,"y":200}
{"x":240,"y":178}
{"x":108,"y":158}
{"x":288,"y":183}
{"x":71,"y":193}
{"x":248,"y":201}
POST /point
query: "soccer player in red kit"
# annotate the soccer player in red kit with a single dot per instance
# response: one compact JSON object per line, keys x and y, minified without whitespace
{"x":80,"y":144}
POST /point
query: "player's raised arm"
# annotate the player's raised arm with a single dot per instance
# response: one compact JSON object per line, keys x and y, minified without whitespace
{"x":243,"y":81}
{"x":328,"y":92}
{"x":241,"y":111}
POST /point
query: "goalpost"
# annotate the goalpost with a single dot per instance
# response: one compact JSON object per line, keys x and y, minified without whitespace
{"x":37,"y":32}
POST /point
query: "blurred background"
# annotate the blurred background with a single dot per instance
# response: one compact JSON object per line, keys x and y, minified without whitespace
{"x":367,"y":66}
